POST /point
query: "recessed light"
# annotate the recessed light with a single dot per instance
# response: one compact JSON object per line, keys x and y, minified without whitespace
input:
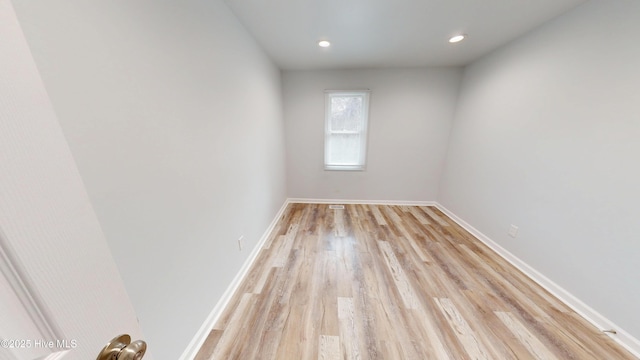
{"x":324,"y":43}
{"x":457,"y":38}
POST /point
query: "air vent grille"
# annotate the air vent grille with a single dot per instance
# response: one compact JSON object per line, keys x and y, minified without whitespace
{"x":336,"y":207}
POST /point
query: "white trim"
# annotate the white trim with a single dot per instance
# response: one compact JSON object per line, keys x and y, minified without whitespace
{"x":360,"y":165}
{"x":198,"y":340}
{"x":622,"y":337}
{"x":366,"y":202}
{"x":344,"y":167}
{"x":352,"y":91}
{"x":24,"y":289}
{"x":57,"y":355}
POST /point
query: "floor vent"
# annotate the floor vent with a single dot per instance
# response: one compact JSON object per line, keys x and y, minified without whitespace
{"x":336,"y":207}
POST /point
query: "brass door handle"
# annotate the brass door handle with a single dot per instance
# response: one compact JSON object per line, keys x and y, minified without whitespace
{"x":121,"y":348}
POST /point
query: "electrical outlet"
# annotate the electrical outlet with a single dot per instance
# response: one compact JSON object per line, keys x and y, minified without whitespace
{"x":240,"y":242}
{"x":513,"y":231}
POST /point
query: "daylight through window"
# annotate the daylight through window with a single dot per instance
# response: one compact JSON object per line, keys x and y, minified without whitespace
{"x":346,"y":130}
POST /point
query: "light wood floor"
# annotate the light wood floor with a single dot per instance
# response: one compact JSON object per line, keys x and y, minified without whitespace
{"x":392,"y":282}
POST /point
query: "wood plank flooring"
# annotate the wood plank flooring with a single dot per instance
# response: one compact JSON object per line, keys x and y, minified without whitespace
{"x":392,"y":282}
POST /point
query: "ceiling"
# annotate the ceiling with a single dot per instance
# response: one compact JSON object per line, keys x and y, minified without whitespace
{"x":388,"y":33}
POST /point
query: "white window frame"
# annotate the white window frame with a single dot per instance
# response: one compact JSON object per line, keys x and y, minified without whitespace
{"x":362,"y":161}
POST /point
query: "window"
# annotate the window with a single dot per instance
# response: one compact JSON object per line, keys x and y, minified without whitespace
{"x":345,"y":140}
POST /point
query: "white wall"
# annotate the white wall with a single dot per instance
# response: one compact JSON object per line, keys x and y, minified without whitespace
{"x":50,"y":237}
{"x":409,"y":122}
{"x":546,"y":137}
{"x":174,"y":117}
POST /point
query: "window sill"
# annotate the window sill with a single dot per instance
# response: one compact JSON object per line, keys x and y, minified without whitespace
{"x":344,"y":168}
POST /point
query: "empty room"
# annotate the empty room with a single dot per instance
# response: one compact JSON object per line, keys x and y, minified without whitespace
{"x":242,"y":179}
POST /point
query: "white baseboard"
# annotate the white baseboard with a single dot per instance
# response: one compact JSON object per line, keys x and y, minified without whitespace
{"x":367,"y":202}
{"x":622,"y":337}
{"x":198,"y":340}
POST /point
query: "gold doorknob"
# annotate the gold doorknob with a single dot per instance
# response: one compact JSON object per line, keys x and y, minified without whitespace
{"x":133,"y":351}
{"x":121,"y":348}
